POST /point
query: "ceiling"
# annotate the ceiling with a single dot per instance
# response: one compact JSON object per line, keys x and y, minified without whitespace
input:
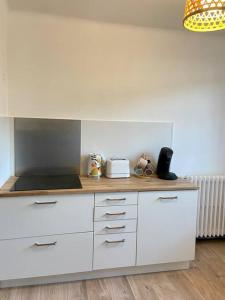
{"x":149,"y":13}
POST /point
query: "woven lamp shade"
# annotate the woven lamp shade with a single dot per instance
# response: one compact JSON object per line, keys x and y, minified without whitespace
{"x":204,"y":15}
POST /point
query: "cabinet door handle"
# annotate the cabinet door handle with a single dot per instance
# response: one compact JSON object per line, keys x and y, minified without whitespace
{"x":115,"y":242}
{"x":45,"y":244}
{"x":45,"y":203}
{"x":114,"y":199}
{"x":116,"y":214}
{"x":168,"y":198}
{"x":115,"y":227}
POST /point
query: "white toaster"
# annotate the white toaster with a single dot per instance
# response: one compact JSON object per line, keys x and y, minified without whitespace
{"x":118,"y":168}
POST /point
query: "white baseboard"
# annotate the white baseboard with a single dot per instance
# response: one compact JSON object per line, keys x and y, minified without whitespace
{"x":95,"y":274}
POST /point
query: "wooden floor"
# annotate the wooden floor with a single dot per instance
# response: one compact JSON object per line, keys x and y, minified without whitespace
{"x":205,"y":280}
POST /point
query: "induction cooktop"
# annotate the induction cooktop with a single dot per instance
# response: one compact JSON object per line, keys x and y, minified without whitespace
{"x":46,"y":182}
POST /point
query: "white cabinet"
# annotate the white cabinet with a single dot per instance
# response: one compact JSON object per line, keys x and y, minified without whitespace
{"x":44,"y":256}
{"x":64,"y":234}
{"x":166,"y":227}
{"x":114,"y":251}
{"x":45,"y":215}
{"x":115,"y":227}
{"x":45,"y":235}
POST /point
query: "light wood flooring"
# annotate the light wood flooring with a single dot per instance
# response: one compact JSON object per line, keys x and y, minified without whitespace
{"x":205,"y":280}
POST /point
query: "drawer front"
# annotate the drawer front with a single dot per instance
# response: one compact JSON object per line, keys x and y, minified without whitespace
{"x":114,"y":251}
{"x":45,"y":215}
{"x":109,"y":199}
{"x":115,"y":213}
{"x":120,"y":226}
{"x":32,"y":257}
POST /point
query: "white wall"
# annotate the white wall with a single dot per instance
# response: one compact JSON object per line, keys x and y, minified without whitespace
{"x":3,"y":58}
{"x":70,"y":68}
{"x":5,"y":123}
{"x":124,"y":139}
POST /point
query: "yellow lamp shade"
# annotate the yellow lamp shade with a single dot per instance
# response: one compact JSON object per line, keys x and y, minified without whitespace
{"x":204,"y":15}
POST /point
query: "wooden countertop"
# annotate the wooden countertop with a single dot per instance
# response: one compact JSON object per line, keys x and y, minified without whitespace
{"x":103,"y":184}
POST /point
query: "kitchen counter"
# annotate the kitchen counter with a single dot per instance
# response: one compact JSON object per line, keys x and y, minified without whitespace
{"x":95,"y":229}
{"x":102,"y":185}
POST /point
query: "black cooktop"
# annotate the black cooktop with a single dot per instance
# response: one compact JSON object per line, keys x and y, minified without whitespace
{"x":52,"y":182}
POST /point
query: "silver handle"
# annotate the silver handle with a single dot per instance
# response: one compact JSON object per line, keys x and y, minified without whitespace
{"x":45,"y":203}
{"x":115,"y":227}
{"x":45,"y":244}
{"x":115,"y":242}
{"x":116,"y":214}
{"x":168,"y":198}
{"x":114,"y":199}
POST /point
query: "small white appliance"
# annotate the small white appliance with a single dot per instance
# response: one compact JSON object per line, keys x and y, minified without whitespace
{"x":118,"y":168}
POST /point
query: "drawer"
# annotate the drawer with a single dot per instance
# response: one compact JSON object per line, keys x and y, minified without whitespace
{"x":120,"y":226}
{"x":45,"y":215}
{"x":115,"y":213}
{"x":32,"y":257}
{"x":114,"y":251}
{"x":109,"y":199}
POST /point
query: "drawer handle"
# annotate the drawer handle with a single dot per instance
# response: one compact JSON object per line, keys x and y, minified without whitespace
{"x":116,"y":214}
{"x":45,"y":203}
{"x":119,"y":199}
{"x":168,"y":198}
{"x":115,"y":242}
{"x":45,"y":244}
{"x":115,"y":227}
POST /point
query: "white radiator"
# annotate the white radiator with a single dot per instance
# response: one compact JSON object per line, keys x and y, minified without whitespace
{"x":211,"y":206}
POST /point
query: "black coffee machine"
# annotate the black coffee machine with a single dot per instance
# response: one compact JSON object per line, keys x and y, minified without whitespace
{"x":163,"y":167}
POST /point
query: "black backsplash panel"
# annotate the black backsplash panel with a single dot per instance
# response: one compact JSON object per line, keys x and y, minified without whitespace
{"x":47,"y":146}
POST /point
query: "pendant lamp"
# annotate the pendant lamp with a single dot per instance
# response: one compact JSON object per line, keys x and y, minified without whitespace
{"x":204,"y":15}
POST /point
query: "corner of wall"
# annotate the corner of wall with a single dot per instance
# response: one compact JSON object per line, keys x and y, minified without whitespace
{"x":6,"y":158}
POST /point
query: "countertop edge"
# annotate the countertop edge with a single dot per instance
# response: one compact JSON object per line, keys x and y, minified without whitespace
{"x":91,"y":186}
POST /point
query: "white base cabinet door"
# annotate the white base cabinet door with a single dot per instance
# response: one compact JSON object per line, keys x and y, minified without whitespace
{"x":45,"y":256}
{"x":166,"y":227}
